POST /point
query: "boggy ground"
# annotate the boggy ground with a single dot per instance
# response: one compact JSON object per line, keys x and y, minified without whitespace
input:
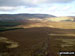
{"x":40,"y":41}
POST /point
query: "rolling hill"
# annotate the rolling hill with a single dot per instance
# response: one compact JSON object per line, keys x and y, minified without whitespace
{"x":17,"y":19}
{"x":23,"y":16}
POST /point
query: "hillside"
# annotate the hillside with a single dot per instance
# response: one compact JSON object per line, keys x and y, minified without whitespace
{"x":18,"y":19}
{"x":14,"y":17}
{"x":42,"y":41}
{"x":62,"y":19}
{"x":32,"y":36}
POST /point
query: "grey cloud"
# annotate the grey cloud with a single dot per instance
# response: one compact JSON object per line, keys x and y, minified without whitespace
{"x":7,"y":8}
{"x":11,"y":2}
{"x":60,"y":1}
{"x":12,"y":5}
{"x":29,"y":2}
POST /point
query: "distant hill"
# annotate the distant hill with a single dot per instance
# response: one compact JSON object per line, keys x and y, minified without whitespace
{"x":17,"y":19}
{"x":23,"y":16}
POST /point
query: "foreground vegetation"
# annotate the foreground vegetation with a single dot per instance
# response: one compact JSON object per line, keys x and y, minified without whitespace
{"x":8,"y":28}
{"x":7,"y":46}
{"x":40,"y":39}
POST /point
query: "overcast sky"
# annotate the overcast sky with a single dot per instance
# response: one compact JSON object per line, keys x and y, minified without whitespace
{"x":54,"y":7}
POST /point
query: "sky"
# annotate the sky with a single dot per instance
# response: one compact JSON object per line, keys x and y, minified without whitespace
{"x":52,"y":7}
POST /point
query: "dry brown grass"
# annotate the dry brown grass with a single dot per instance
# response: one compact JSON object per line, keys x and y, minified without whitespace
{"x":34,"y":36}
{"x":60,"y":25}
{"x":31,"y":40}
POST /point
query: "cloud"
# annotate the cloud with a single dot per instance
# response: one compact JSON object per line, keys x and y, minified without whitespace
{"x":29,"y":2}
{"x":55,"y":7}
{"x":6,"y":8}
